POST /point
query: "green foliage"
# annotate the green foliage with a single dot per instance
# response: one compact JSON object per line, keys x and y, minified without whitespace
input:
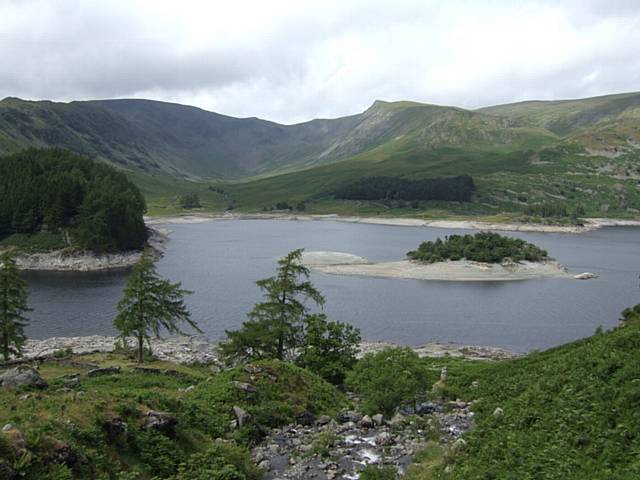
{"x":189,"y":200}
{"x":569,"y":413}
{"x":35,"y":242}
{"x":328,"y":348}
{"x":375,"y":472}
{"x":13,"y":306}
{"x":453,"y":189}
{"x":55,"y":190}
{"x":631,"y":315}
{"x":485,"y":247}
{"x":389,"y":378}
{"x":203,"y":418}
{"x":150,"y":304}
{"x":221,"y":461}
{"x":273,"y":329}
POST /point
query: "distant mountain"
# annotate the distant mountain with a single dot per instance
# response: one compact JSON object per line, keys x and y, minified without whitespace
{"x":601,"y":123}
{"x":188,"y":142}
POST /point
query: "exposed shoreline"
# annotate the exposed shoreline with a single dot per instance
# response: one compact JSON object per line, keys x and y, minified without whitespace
{"x":62,"y":261}
{"x":337,"y":263}
{"x":199,"y":349}
{"x":591,"y":224}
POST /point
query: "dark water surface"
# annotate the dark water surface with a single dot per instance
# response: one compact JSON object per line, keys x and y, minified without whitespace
{"x":221,"y":260}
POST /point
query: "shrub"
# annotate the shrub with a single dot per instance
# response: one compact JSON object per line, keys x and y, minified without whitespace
{"x":221,"y":461}
{"x":389,"y":378}
{"x":328,"y":348}
{"x":374,"y":472}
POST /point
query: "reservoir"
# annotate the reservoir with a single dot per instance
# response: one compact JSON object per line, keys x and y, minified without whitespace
{"x":221,"y":260}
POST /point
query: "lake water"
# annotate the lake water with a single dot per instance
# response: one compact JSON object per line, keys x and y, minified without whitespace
{"x":221,"y":260}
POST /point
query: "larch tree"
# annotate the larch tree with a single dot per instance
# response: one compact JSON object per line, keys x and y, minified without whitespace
{"x":151,"y":305}
{"x":275,"y":326}
{"x":13,"y":306}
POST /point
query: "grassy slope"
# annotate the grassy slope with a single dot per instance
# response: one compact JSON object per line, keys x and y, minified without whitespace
{"x":569,"y":412}
{"x":203,"y":413}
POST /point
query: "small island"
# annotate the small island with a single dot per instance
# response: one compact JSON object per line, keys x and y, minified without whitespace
{"x":485,"y":256}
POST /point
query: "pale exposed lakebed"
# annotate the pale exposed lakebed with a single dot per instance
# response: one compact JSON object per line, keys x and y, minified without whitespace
{"x":220,"y":260}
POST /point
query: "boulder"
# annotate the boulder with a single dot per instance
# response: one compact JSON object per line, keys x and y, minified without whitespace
{"x":22,"y":376}
{"x":397,"y":420}
{"x":383,"y":439}
{"x":14,"y":436}
{"x":366,"y":422}
{"x":114,"y":427}
{"x":323,"y":420}
{"x":63,"y":454}
{"x":306,"y":418}
{"x":378,"y":419}
{"x":242,"y":416}
{"x":161,"y":421}
{"x":349,"y":416}
{"x":585,"y":276}
{"x":244,"y":387}
{"x":96,"y":372}
{"x":252,"y":369}
{"x":498,"y":412}
{"x":459,"y":445}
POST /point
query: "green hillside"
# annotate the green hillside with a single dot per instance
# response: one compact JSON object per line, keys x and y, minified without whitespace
{"x":567,"y":413}
{"x":572,"y":157}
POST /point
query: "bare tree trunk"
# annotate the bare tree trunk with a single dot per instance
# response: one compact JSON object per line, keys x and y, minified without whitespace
{"x":140,"y":348}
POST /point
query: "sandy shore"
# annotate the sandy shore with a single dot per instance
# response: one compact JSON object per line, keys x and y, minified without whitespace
{"x":590,"y":224}
{"x":338,"y":263}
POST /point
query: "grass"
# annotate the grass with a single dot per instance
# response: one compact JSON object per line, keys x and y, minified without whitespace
{"x":35,"y":243}
{"x":60,"y":415}
{"x":570,"y":412}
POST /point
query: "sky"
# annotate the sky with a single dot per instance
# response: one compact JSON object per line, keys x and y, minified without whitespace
{"x":292,"y":61}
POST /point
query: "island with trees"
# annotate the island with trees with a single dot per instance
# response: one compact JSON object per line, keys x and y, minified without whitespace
{"x":60,"y":210}
{"x":485,"y":256}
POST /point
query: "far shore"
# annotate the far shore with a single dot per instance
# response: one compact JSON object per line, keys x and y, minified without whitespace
{"x":590,"y":224}
{"x":199,"y":349}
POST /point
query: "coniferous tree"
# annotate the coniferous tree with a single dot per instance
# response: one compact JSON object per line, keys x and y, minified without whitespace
{"x":13,"y":305}
{"x":275,"y":326}
{"x":151,"y":304}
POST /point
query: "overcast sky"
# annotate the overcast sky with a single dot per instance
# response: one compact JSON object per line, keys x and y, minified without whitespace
{"x":291,"y":61}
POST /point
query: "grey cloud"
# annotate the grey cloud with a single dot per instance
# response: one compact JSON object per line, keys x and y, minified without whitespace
{"x":287,"y":63}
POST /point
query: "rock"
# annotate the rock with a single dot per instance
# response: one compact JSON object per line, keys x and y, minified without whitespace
{"x":264,"y":465}
{"x":161,"y":421}
{"x":384,"y":438}
{"x":378,"y":419}
{"x":244,"y":387}
{"x":306,"y":418}
{"x":252,"y":369}
{"x":242,"y":417}
{"x":366,"y":422}
{"x":14,"y":436}
{"x":585,"y":276}
{"x":349,"y":416}
{"x":323,"y":420}
{"x":64,"y":454}
{"x":459,"y":445}
{"x":498,"y":412}
{"x":443,"y":374}
{"x":114,"y":427}
{"x":22,"y":376}
{"x":96,"y":372}
{"x":428,"y":407}
{"x":71,"y":382}
{"x":397,"y":420}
